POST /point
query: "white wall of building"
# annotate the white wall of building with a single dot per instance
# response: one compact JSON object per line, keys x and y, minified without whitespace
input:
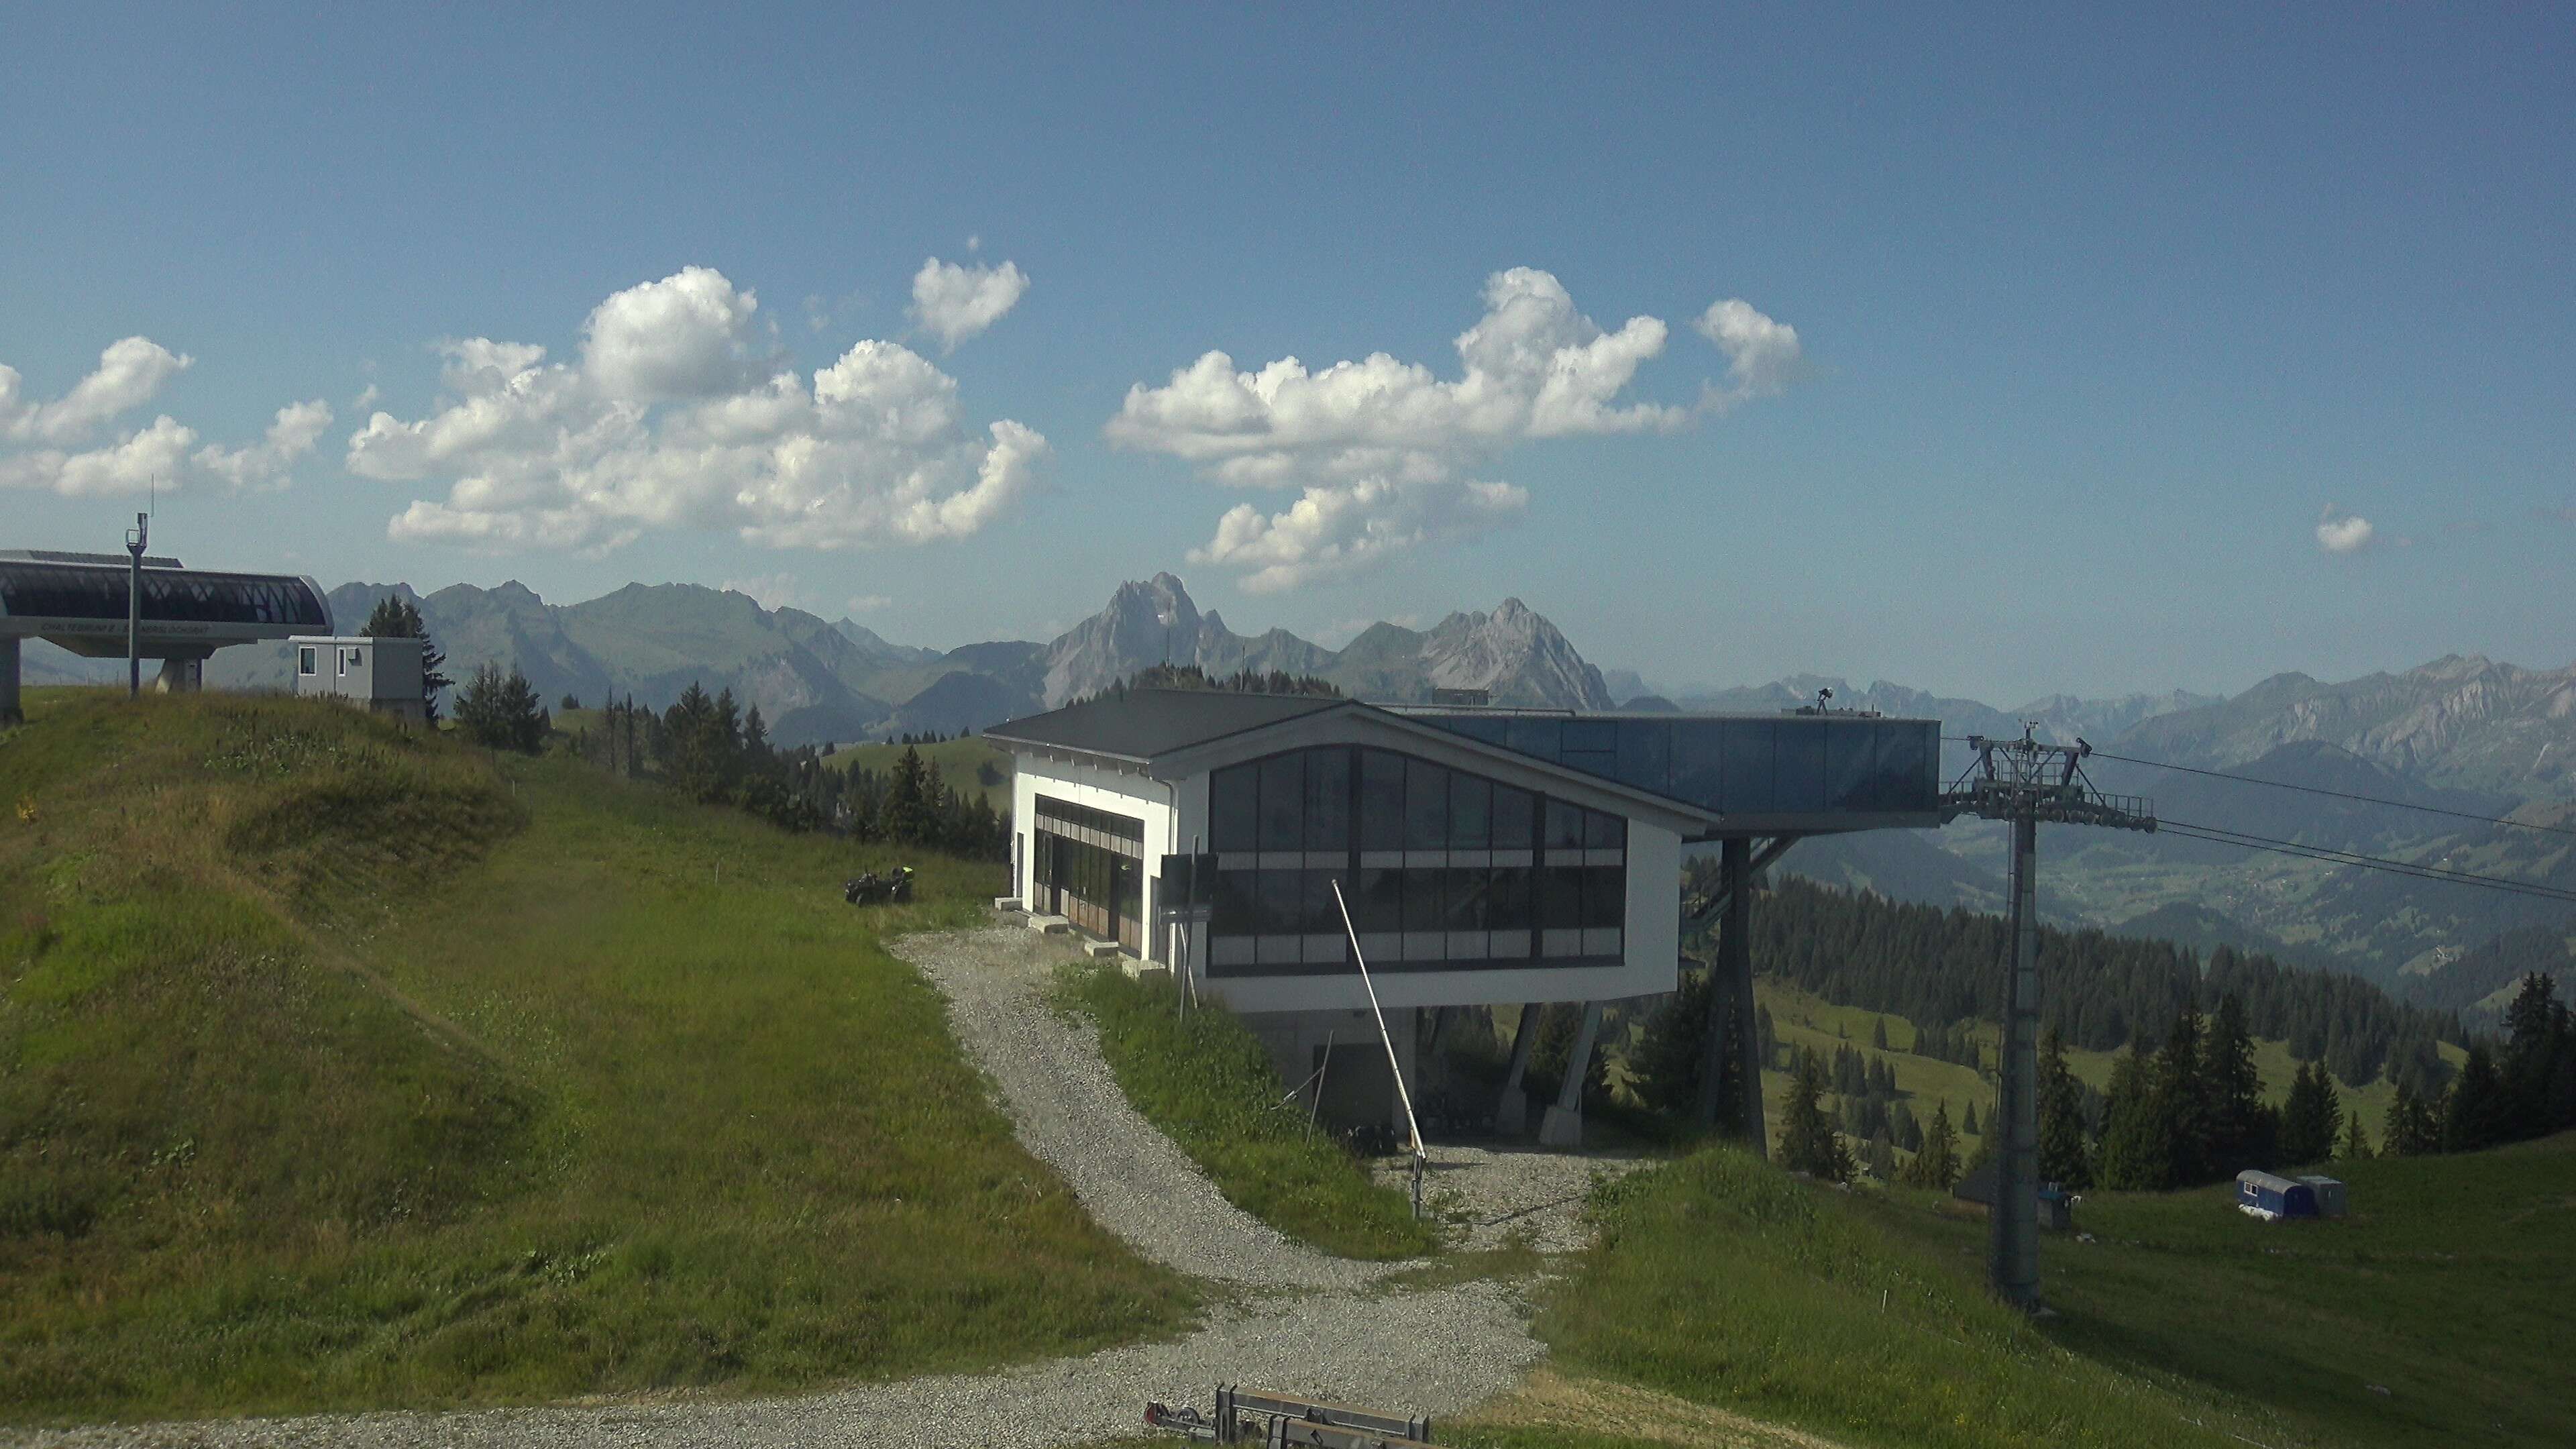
{"x":1173,"y":813}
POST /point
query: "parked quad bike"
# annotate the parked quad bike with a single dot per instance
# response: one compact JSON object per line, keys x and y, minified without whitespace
{"x":895,"y":887}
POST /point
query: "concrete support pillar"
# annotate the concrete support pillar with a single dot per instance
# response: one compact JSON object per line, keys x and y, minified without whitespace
{"x":1563,"y":1124}
{"x":10,"y":713}
{"x":1511,"y":1113}
{"x":180,"y":676}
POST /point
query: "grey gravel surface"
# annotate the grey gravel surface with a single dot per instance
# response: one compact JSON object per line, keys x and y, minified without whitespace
{"x":1299,"y":1321}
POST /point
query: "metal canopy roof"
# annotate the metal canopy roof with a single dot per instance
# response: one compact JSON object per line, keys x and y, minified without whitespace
{"x":187,"y":613}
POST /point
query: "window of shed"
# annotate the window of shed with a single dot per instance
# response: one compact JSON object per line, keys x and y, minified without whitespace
{"x":304,"y":660}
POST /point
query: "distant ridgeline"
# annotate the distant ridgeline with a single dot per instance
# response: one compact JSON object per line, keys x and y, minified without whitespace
{"x":2103,"y":992}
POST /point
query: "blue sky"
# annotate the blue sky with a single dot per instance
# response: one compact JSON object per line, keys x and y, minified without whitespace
{"x":2095,"y":319}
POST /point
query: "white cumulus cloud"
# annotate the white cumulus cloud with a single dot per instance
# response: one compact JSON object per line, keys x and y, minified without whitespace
{"x":1379,"y":445}
{"x":1760,"y":353}
{"x":130,"y":373}
{"x":1339,"y":530}
{"x":2341,"y":532}
{"x":666,"y":421}
{"x":953,"y":302}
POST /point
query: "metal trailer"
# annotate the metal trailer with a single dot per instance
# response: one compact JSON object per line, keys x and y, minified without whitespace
{"x":1275,"y":1421}
{"x":2329,"y":1193}
{"x":2272,"y":1198}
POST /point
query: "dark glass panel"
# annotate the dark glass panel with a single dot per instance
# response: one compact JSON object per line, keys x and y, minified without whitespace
{"x":1604,"y":831}
{"x":1233,"y":814}
{"x":1605,"y":895}
{"x":1283,"y":900}
{"x":1533,"y":736}
{"x":1699,"y":761}
{"x":1328,"y":800}
{"x":1471,"y":812}
{"x":1491,"y":728}
{"x":1468,"y":894}
{"x":1426,"y":805}
{"x":1798,"y":767}
{"x":1507,"y":901}
{"x":1283,"y":802}
{"x":1322,"y":915}
{"x":1564,"y":826}
{"x":1560,"y":897}
{"x":1905,"y":772}
{"x":1515,"y":814}
{"x":1748,"y":765}
{"x":1380,"y":907}
{"x":1422,"y":903}
{"x":1645,"y":753}
{"x":1851,"y":762}
{"x":1590,"y":736}
{"x":1233,"y":911}
{"x":1381,"y":801}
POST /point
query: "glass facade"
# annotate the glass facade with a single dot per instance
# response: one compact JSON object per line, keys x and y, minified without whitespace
{"x":1794,"y":764}
{"x":1090,"y":869}
{"x":58,"y":591}
{"x":1442,"y":869}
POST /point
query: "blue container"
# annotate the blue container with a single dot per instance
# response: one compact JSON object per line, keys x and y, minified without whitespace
{"x":2272,"y":1198}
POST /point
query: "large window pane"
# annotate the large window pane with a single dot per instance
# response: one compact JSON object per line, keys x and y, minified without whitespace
{"x":1905,"y":766}
{"x":1514,"y":818}
{"x":1560,"y":896}
{"x":1381,"y":801}
{"x":1467,"y":895}
{"x":1564,"y":826}
{"x":1748,"y":765}
{"x":1283,"y":802}
{"x":1533,"y":736}
{"x":1471,"y":810}
{"x":1322,"y":916}
{"x":1699,"y":761}
{"x":1851,"y":760}
{"x":1798,"y":770}
{"x":1233,"y":820}
{"x":1328,"y":799}
{"x":1426,"y":805}
{"x":1645,"y":753}
{"x":1604,"y":831}
{"x":1232,"y":911}
{"x":1380,"y":906}
{"x":1605,"y":895}
{"x":1422,"y":903}
{"x":1283,"y":899}
{"x":1507,"y":901}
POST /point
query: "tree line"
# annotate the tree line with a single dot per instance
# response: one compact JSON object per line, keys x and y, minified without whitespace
{"x":1940,"y":967}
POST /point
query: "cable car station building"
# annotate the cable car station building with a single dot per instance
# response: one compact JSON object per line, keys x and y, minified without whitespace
{"x":1488,"y":856}
{"x":80,"y":601}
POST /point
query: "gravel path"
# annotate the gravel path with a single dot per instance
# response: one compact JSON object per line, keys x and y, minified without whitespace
{"x":1301,"y":1322}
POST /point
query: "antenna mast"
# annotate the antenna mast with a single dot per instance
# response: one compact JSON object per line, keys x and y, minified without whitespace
{"x":2025,"y":782}
{"x":135,"y":539}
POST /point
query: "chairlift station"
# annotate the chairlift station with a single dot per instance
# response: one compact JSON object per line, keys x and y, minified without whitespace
{"x":81,"y":601}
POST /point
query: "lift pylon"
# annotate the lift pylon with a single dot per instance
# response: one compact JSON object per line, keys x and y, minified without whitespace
{"x":2025,"y":782}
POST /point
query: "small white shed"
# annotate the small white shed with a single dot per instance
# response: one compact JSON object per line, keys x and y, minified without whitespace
{"x":377,"y":674}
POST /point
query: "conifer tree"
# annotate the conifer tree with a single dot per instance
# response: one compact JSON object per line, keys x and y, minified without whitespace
{"x":502,"y":713}
{"x":2242,"y":1128}
{"x":1936,"y":1165}
{"x":2061,"y":1118}
{"x":1666,"y":1064}
{"x":1878,"y":1033}
{"x":2312,"y":1118}
{"x":2356,"y":1143}
{"x":2136,"y":1155}
{"x":2411,"y":1130}
{"x":2478,"y":1110}
{"x":1969,"y":1124}
{"x":2181,"y":1102}
{"x":1808,"y":1142}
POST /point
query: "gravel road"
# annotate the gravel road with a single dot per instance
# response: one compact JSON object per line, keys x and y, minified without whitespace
{"x":1299,"y":1321}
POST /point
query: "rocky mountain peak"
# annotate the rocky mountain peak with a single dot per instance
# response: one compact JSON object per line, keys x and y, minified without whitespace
{"x":1147,"y":623}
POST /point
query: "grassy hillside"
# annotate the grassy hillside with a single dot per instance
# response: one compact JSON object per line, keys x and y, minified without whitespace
{"x":345,"y":1067}
{"x":1725,"y":1299}
{"x":958,"y":761}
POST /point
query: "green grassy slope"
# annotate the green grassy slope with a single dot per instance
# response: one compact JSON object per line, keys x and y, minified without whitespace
{"x":1208,"y":1084}
{"x":2447,"y":1287}
{"x":343,"y":1068}
{"x":1722,"y":1282}
{"x":957,"y":761}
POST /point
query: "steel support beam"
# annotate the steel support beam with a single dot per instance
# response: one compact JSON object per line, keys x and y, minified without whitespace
{"x":1511,"y":1113}
{"x":2013,"y":1258}
{"x":10,"y":709}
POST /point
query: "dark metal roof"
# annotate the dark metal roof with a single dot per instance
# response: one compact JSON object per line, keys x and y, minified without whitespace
{"x":94,"y":593}
{"x":1144,"y":723}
